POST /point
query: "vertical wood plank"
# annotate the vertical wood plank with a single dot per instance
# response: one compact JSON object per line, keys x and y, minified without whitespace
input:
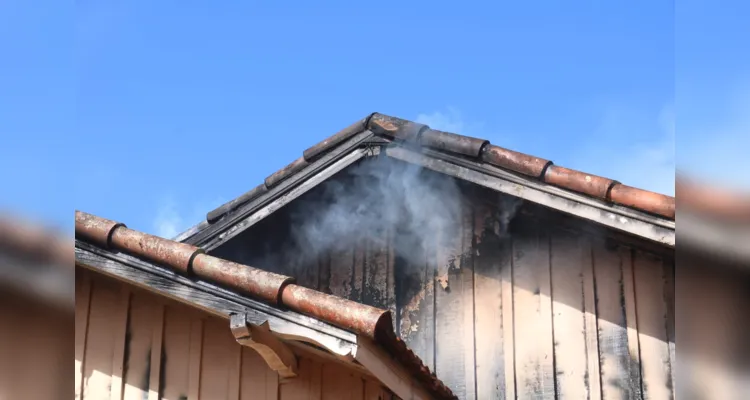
{"x":415,"y":301}
{"x":454,"y":323}
{"x":375,"y":391}
{"x":492,"y":257}
{"x":141,"y":323}
{"x":669,"y":298}
{"x":218,"y":346}
{"x":569,"y":324}
{"x":100,"y":342}
{"x":592,"y":376}
{"x":634,"y":352}
{"x":342,"y":261}
{"x":307,"y":385}
{"x":509,"y":336}
{"x":235,"y":372}
{"x":358,"y":271}
{"x":391,"y":276}
{"x":533,"y":315}
{"x":196,"y":355}
{"x":467,"y":288}
{"x":258,"y":381}
{"x":324,"y":267}
{"x":652,"y":326}
{"x":83,"y":297}
{"x":157,"y":336}
{"x":118,"y":357}
{"x":614,"y":354}
{"x":426,"y":312}
{"x":341,"y":383}
{"x":177,"y":331}
{"x":376,"y":273}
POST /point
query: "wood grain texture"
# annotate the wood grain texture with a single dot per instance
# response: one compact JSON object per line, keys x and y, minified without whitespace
{"x":492,"y":257}
{"x":83,"y":297}
{"x":376,"y":272}
{"x":533,"y":316}
{"x":631,"y":318}
{"x":118,"y":357}
{"x":567,"y":264}
{"x":177,"y":331}
{"x":509,"y":336}
{"x":341,"y":383}
{"x":614,"y":353}
{"x":451,"y":330}
{"x":196,"y":358}
{"x":218,"y":346}
{"x":258,"y":381}
{"x":342,"y":266}
{"x":307,"y":385}
{"x":140,"y":342}
{"x":591,"y":327}
{"x":652,"y":312}
{"x":100,"y":342}
{"x":157,"y":345}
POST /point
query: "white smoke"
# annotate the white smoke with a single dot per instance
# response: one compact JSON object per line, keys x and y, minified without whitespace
{"x":373,"y":197}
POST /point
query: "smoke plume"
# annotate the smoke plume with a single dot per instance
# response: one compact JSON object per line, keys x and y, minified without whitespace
{"x":372,"y":197}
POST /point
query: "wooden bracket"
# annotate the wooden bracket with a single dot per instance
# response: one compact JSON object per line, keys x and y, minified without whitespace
{"x":274,"y":352}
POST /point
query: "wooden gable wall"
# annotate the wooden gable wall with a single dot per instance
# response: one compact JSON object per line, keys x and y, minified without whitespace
{"x":544,"y":312}
{"x":130,"y":344}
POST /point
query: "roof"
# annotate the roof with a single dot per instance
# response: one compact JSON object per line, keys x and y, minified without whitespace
{"x":714,"y":221}
{"x":35,"y":261}
{"x":604,"y":200}
{"x":99,"y":236}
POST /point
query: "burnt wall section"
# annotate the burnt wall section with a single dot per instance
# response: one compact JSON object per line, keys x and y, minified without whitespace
{"x":502,"y":299}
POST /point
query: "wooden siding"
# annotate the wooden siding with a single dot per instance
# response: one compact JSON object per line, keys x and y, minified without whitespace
{"x":131,"y":344}
{"x":543,"y":310}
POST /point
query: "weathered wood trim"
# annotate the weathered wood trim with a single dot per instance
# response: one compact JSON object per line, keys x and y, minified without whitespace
{"x":118,"y":356}
{"x":286,"y":324}
{"x":157,"y":343}
{"x":196,"y":358}
{"x":83,"y":301}
{"x":613,"y":216}
{"x":392,"y":374}
{"x":291,"y":188}
{"x":259,"y":338}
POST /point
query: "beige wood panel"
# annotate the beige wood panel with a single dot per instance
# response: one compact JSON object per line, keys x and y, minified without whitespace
{"x":307,"y":386}
{"x":492,"y":254}
{"x":218,"y":351}
{"x":177,"y":331}
{"x":614,"y":353}
{"x":341,"y":383}
{"x":83,"y":297}
{"x":533,"y":316}
{"x":591,"y":326}
{"x":170,"y":351}
{"x":653,"y":323}
{"x":567,"y":264}
{"x":454,"y":303}
{"x":100,"y":340}
{"x":140,"y":336}
{"x":258,"y":381}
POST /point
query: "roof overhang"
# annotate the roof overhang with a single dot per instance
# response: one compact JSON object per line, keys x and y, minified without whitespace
{"x":289,"y":330}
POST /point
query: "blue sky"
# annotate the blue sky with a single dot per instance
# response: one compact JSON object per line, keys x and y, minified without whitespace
{"x":153,"y":113}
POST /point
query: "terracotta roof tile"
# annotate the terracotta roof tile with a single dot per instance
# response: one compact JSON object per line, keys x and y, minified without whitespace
{"x":401,"y":130}
{"x":271,"y":288}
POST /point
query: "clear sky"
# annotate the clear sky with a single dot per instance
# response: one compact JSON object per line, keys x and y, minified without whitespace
{"x":155,"y":112}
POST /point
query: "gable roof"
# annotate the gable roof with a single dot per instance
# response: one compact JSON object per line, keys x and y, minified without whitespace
{"x":603,"y":200}
{"x":268,"y":298}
